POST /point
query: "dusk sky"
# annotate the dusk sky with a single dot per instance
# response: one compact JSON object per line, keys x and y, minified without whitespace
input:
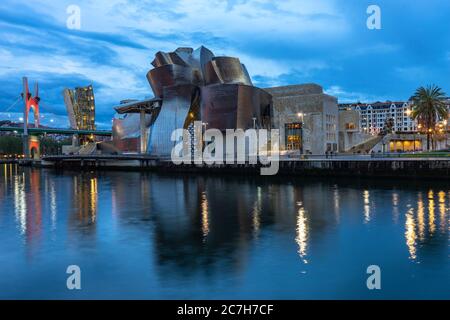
{"x":281,"y":43}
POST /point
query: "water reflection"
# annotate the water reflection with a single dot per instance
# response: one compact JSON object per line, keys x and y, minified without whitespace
{"x":421,"y":217}
{"x":395,"y":209}
{"x":20,"y":204}
{"x":420,"y":228}
{"x":366,"y":196}
{"x":214,"y":225}
{"x":53,"y":205}
{"x":442,"y":211}
{"x":84,"y":202}
{"x":302,"y":233}
{"x":257,"y":207}
{"x":410,"y":234}
{"x":205,"y":215}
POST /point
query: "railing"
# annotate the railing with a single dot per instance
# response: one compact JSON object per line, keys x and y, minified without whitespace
{"x":415,"y":155}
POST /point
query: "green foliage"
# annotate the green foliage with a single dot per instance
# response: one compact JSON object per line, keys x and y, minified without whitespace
{"x":10,"y":145}
{"x":428,"y":108}
{"x":50,"y":146}
{"x":13,"y":145}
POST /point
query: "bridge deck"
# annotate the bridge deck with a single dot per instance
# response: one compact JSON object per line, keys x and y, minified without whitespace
{"x":40,"y":131}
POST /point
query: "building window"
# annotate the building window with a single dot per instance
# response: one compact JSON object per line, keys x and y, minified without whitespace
{"x":293,"y":136}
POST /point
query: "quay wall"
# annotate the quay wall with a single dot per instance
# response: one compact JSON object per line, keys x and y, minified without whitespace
{"x":407,"y":168}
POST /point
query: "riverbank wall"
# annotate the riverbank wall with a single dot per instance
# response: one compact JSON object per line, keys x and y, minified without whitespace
{"x":436,"y":168}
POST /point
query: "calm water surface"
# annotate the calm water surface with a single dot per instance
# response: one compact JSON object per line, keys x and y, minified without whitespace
{"x":153,"y":236}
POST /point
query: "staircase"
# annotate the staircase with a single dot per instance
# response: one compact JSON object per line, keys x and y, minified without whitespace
{"x":366,"y":146}
{"x":88,"y":150}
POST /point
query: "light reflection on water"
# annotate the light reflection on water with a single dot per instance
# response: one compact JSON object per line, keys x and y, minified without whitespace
{"x":302,"y":233}
{"x":187,"y":236}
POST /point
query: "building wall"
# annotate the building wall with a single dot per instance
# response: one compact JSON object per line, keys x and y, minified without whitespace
{"x":350,"y":134}
{"x":319,"y":115}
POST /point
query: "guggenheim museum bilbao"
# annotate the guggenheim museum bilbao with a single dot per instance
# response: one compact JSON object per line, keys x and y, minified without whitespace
{"x":195,"y":85}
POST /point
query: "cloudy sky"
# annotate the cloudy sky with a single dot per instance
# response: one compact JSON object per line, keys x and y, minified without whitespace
{"x":281,"y":42}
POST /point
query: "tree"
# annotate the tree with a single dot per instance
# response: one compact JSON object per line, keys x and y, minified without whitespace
{"x":10,"y":145}
{"x":388,"y":127}
{"x":428,"y":108}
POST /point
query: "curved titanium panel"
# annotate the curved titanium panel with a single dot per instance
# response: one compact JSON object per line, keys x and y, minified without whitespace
{"x":169,"y":75}
{"x":129,"y":126}
{"x":161,"y":59}
{"x":200,"y":58}
{"x":233,"y":106}
{"x":181,"y":56}
{"x":126,"y":131}
{"x":226,"y":70}
{"x":173,"y":114}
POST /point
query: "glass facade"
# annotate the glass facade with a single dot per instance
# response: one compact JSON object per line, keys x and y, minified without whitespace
{"x":294,"y":136}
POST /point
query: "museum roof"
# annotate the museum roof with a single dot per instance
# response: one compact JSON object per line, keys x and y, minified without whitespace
{"x":136,"y":106}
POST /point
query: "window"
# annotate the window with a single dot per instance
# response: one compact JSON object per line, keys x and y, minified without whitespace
{"x":293,"y":136}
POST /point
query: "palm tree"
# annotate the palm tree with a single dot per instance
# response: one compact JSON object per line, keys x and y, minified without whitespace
{"x":428,"y":108}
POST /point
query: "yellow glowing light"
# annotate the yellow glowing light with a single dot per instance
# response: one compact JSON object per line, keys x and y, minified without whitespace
{"x":442,"y":210}
{"x":205,"y":215}
{"x":94,"y":194}
{"x":302,"y":234}
{"x":410,"y":235}
{"x":431,"y":214}
{"x":421,"y":217}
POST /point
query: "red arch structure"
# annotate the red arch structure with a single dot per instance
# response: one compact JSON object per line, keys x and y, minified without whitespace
{"x":31,"y":144}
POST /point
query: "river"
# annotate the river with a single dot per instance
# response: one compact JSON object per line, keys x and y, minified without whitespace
{"x":152,"y":236}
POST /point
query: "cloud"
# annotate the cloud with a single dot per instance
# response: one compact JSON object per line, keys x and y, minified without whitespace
{"x":350,"y":97}
{"x":280,"y":42}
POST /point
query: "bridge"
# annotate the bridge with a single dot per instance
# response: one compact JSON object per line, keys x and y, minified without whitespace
{"x":67,"y":132}
{"x":31,"y":143}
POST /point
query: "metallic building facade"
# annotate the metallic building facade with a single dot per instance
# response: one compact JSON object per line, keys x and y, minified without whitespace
{"x":194,"y":85}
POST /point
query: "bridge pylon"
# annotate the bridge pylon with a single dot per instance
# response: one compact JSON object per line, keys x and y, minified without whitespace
{"x":31,"y":145}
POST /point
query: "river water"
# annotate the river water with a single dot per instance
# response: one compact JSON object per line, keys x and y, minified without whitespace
{"x":150,"y":236}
